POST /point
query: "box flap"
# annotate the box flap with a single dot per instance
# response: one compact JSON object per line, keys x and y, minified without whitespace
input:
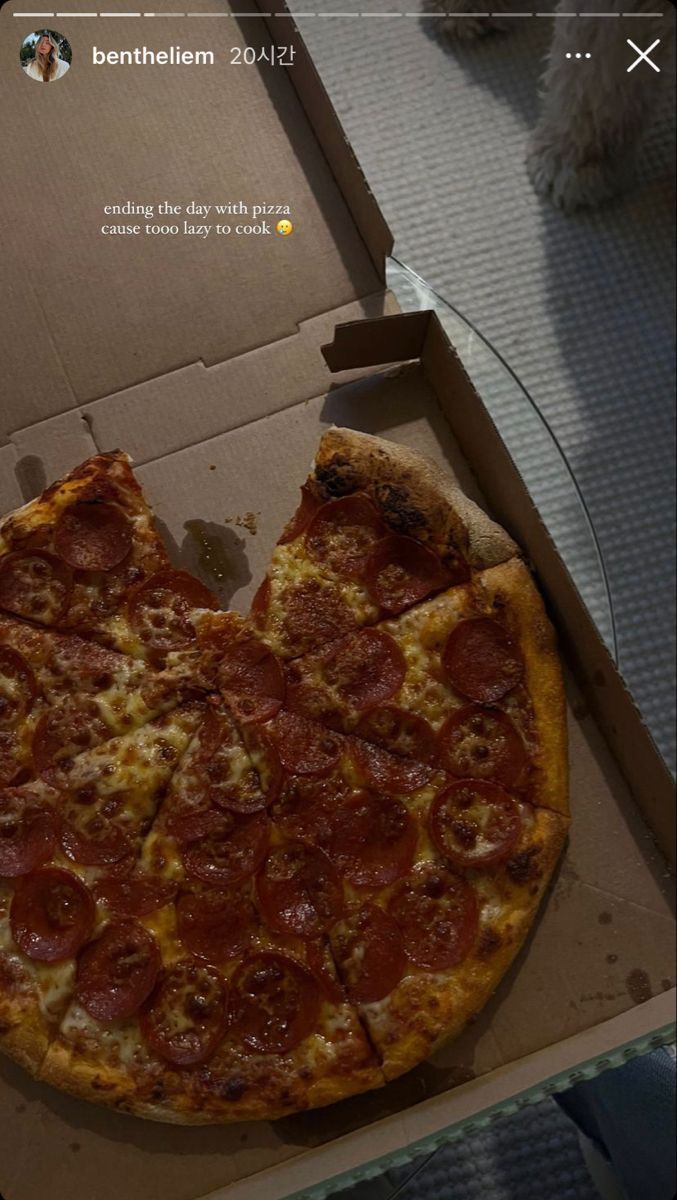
{"x":91,"y":314}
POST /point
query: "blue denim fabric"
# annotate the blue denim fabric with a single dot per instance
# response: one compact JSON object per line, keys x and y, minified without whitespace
{"x":629,"y":1113}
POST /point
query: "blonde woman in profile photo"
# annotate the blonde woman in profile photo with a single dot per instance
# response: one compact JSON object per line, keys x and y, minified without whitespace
{"x":46,"y":66}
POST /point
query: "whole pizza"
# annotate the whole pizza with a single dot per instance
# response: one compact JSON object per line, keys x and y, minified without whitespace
{"x":252,"y":865}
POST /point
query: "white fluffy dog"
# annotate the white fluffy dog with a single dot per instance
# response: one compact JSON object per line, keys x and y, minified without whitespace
{"x":594,"y":110}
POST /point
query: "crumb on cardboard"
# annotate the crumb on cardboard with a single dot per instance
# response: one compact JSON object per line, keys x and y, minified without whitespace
{"x":248,"y":521}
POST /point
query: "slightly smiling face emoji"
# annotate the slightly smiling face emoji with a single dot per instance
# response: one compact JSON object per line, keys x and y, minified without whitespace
{"x":284,"y":227}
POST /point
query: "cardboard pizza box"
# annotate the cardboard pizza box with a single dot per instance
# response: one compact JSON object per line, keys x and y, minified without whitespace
{"x":217,"y":364}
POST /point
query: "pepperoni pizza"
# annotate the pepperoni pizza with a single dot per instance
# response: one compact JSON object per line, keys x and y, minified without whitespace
{"x":252,"y":865}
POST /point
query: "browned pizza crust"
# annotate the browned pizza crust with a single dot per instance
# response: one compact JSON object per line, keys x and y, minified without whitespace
{"x":428,"y":1009}
{"x":24,"y":1032}
{"x":24,"y":1037}
{"x":416,"y":497}
{"x":102,"y":477}
{"x":232,"y":1086}
{"x":510,"y":590}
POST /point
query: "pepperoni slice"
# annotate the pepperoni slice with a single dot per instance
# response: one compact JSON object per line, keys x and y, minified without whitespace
{"x":299,"y":890}
{"x":365,"y":668}
{"x":35,"y":585}
{"x":372,"y":838}
{"x":475,"y":823}
{"x":95,"y":843}
{"x":314,"y":614}
{"x":343,"y":532}
{"x":400,"y":572}
{"x":18,"y":687}
{"x":92,"y":536}
{"x":64,"y":732}
{"x":482,"y":661}
{"x":305,"y":809}
{"x":225,"y":849}
{"x":160,"y":608}
{"x":188,"y":824}
{"x":224,"y":774}
{"x":216,"y":925}
{"x":388,"y":772}
{"x":399,"y":732}
{"x":116,"y":973}
{"x":310,"y":502}
{"x":51,"y":915}
{"x":438,"y":915}
{"x":320,"y":962}
{"x":482,"y":743}
{"x":276,"y":1004}
{"x":13,"y":768}
{"x":307,"y":699}
{"x":187,"y":1015}
{"x":135,"y":897}
{"x":119,"y":870}
{"x":304,"y":747}
{"x":369,"y":954}
{"x":28,"y":833}
{"x":251,"y":681}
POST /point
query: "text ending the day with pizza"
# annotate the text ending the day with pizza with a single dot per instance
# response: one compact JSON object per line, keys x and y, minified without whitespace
{"x":235,"y":218}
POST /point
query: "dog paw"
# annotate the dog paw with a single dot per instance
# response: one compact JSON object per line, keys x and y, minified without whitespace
{"x":559,"y":170}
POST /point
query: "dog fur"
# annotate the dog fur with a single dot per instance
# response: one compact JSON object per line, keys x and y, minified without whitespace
{"x":594,"y":112}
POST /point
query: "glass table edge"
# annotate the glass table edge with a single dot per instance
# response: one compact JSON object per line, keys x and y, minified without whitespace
{"x":428,"y":298}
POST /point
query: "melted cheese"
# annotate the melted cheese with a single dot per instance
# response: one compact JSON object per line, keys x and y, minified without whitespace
{"x":421,"y":635}
{"x":119,"y":1042}
{"x":291,"y":568}
{"x":138,"y":763}
{"x":123,"y":637}
{"x":122,"y":708}
{"x":55,"y":987}
{"x":50,"y":983}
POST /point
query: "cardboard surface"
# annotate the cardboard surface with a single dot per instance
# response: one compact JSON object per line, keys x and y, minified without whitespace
{"x":208,"y":369}
{"x":90,"y":314}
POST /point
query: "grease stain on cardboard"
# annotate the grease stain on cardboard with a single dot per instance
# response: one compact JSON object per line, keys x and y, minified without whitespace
{"x":217,"y":555}
{"x":639,"y":986}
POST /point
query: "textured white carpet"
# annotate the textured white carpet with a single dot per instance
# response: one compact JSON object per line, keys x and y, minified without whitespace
{"x":581,"y":308}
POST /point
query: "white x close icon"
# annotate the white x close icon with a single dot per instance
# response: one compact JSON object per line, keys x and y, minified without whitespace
{"x":643,"y":55}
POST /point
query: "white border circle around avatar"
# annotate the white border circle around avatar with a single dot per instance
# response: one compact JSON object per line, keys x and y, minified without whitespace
{"x":45,"y":55}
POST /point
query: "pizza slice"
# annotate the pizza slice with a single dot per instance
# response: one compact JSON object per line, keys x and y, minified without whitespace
{"x":421,"y":956}
{"x":61,"y":694}
{"x":379,"y":529}
{"x":439,"y":877}
{"x":232,"y":1010}
{"x":86,"y":556}
{"x":469,"y":678}
{"x":56,"y":847}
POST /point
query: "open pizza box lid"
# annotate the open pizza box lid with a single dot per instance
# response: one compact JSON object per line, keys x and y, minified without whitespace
{"x":204,"y":359}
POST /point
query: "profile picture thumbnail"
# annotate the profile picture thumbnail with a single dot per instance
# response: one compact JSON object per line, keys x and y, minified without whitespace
{"x":45,"y":55}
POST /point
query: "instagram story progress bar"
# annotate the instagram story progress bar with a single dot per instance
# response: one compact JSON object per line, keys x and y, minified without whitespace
{"x":366,"y":14}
